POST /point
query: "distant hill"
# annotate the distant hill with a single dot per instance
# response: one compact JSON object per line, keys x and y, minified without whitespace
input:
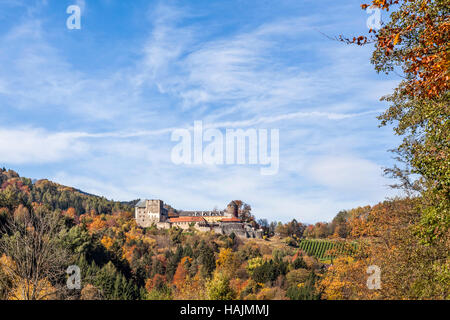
{"x":15,"y":190}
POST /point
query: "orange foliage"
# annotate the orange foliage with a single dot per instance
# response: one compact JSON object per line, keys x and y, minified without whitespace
{"x":238,"y":285}
{"x":182,"y":270}
{"x":155,"y":283}
{"x":346,"y":279}
{"x":71,"y":213}
{"x":15,"y":184}
{"x":21,"y":212}
{"x":107,"y":242}
{"x":190,"y":289}
{"x":427,"y":61}
{"x":98,"y":223}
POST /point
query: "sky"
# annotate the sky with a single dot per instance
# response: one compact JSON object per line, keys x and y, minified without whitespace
{"x":95,"y":108}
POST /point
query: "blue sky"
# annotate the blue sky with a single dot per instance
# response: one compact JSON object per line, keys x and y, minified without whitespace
{"x":94,"y":108}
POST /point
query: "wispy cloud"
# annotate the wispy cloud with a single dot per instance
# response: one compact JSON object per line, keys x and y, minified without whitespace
{"x":36,"y":77}
{"x":108,"y":127}
{"x":28,"y":145}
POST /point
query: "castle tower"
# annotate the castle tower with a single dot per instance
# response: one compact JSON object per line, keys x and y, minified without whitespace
{"x":148,"y":212}
{"x":232,"y":209}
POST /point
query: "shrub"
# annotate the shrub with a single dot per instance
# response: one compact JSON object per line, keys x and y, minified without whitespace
{"x":297,"y":276}
{"x":219,"y":288}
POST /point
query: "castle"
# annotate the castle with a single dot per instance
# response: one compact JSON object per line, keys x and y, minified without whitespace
{"x":153,"y":212}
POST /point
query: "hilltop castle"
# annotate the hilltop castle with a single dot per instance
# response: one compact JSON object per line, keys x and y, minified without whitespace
{"x":153,"y":212}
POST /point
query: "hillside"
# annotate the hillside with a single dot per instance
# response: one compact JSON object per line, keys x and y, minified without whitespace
{"x":119,"y":260}
{"x":17,"y":190}
{"x":60,"y":226}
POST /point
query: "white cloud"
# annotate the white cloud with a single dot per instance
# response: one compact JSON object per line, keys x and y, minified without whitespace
{"x":230,"y":81}
{"x":349,"y":176}
{"x":35,"y":76}
{"x":29,"y":145}
{"x":243,"y":73}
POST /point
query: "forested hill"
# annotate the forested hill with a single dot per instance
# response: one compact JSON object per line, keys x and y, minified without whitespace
{"x":17,"y":190}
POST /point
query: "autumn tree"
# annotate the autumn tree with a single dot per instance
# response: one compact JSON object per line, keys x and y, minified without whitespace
{"x":89,"y":292}
{"x":34,"y":260}
{"x":339,"y":227}
{"x":410,"y":243}
{"x":158,"y":288}
{"x":346,"y":280}
{"x":293,"y":229}
{"x":227,"y":262}
{"x":182,"y":271}
{"x":244,"y":211}
{"x":386,"y":237}
{"x":219,"y":288}
{"x":415,"y":39}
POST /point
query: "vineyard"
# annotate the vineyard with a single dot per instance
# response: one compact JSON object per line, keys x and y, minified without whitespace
{"x":325,"y":250}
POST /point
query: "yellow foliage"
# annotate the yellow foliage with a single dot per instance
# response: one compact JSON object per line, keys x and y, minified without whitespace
{"x":346,"y":279}
{"x":97,"y":224}
{"x":6,"y":264}
{"x":22,"y":289}
{"x":227,"y":261}
{"x":107,"y":242}
{"x":190,"y":289}
{"x":274,"y":293}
